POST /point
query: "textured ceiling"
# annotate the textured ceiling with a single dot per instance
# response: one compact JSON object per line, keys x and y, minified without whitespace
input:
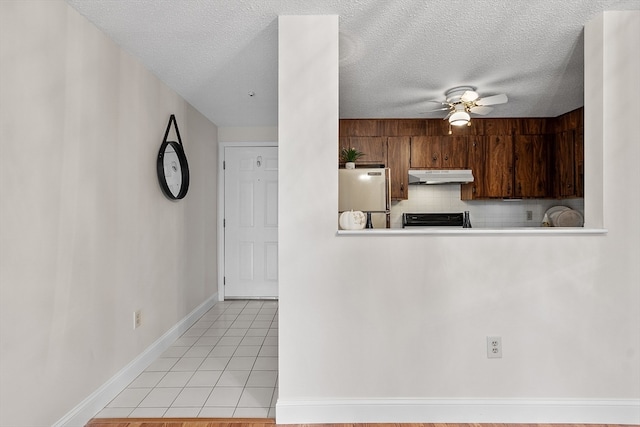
{"x":394,"y":54}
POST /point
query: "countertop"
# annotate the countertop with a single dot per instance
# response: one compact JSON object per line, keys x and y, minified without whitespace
{"x":455,"y":231}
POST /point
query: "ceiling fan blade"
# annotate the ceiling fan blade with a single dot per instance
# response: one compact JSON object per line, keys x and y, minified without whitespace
{"x":469,"y":96}
{"x":438,"y":109}
{"x":435,"y":101}
{"x":481,"y":110}
{"x":492,"y":100}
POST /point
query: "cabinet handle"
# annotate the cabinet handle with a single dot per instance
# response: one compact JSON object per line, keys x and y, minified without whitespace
{"x":435,"y":157}
{"x":446,"y":157}
{"x":402,"y":187}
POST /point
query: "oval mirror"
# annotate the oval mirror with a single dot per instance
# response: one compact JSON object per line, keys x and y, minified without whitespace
{"x":173,"y":170}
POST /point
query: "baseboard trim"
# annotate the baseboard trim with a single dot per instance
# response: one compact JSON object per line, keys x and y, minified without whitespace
{"x":97,"y":400}
{"x":458,"y":411}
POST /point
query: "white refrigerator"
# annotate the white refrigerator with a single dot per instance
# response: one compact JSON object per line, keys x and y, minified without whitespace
{"x":367,"y":190}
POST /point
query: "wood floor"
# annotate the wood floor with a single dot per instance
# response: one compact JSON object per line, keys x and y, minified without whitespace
{"x":181,"y":422}
{"x":267,"y":422}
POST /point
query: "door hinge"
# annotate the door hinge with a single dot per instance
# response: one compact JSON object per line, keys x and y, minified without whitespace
{"x":224,"y":280}
{"x":224,"y":222}
{"x":224,"y":165}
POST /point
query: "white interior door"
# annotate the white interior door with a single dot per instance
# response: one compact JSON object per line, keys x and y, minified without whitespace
{"x":251,"y":222}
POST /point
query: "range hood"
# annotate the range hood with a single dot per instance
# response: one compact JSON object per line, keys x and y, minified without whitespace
{"x":440,"y":176}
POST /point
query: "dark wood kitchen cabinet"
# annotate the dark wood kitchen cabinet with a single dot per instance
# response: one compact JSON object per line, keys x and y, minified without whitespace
{"x":425,"y":152}
{"x":475,"y":161}
{"x":506,"y":166}
{"x":398,"y":151}
{"x":531,"y":166}
{"x":439,"y":152}
{"x":568,"y":175}
{"x":579,"y":162}
{"x":455,"y":150}
{"x":498,"y":165}
{"x":510,"y":158}
{"x":373,"y":147}
{"x":565,"y":164}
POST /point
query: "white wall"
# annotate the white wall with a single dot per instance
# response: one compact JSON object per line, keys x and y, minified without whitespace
{"x":248,"y":134}
{"x":87,"y":236}
{"x":393,"y":328}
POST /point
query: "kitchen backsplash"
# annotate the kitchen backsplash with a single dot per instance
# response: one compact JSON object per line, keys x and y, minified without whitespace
{"x":483,"y":213}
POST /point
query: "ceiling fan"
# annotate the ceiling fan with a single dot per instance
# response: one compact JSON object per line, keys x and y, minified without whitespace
{"x":461,"y":101}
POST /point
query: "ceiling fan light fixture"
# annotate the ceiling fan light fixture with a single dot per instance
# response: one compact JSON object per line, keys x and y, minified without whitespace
{"x":461,"y":101}
{"x":469,"y":96}
{"x":459,"y":118}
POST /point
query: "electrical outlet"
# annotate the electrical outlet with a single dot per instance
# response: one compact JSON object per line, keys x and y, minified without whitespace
{"x":137,"y":319}
{"x":529,"y":215}
{"x":494,"y":347}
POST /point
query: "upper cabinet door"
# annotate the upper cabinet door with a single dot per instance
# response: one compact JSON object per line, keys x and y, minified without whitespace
{"x":399,"y":150}
{"x":455,"y":150}
{"x":475,"y":162}
{"x":373,"y":147}
{"x":579,"y":162}
{"x":425,"y":152}
{"x":531,"y":161}
{"x":499,"y":166}
{"x":439,"y":152}
{"x":565,"y":163}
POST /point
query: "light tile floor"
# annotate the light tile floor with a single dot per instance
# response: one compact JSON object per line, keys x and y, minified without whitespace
{"x":225,"y":365}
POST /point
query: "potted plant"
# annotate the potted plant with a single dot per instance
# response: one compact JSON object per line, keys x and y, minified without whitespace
{"x":349,"y":156}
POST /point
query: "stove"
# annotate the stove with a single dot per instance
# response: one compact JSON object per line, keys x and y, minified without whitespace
{"x":432,"y":219}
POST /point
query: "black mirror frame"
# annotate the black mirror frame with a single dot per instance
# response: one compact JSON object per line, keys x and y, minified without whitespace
{"x":182,"y":158}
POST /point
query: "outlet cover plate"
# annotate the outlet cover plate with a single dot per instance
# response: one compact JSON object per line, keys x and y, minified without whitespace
{"x":494,"y":347}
